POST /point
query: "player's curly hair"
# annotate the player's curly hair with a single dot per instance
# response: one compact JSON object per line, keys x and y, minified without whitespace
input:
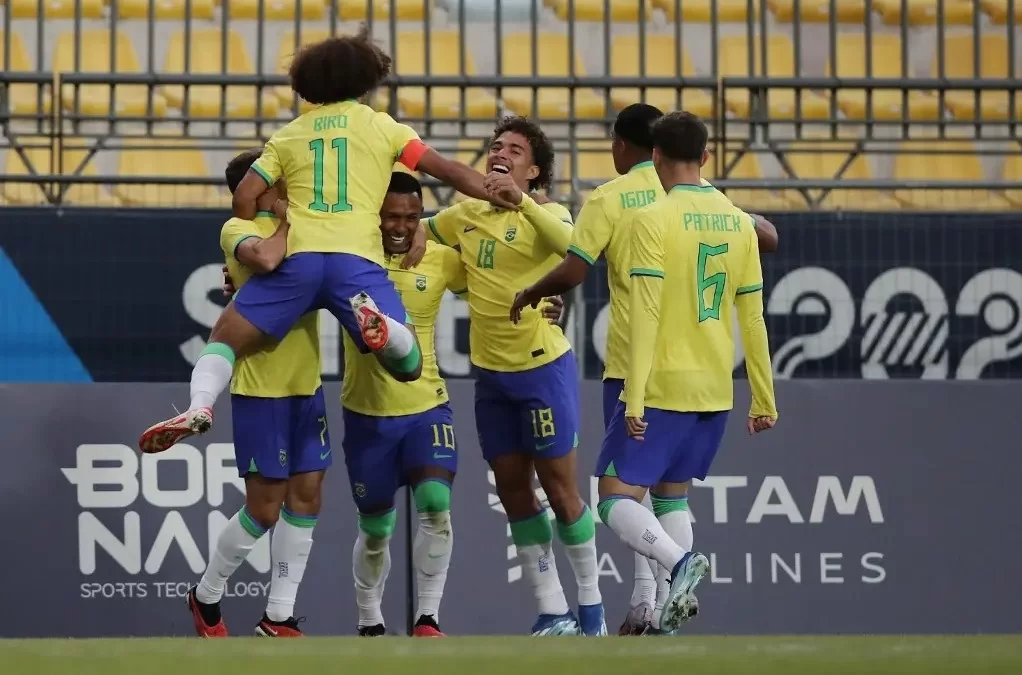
{"x":239,"y":166}
{"x":339,"y":68}
{"x":542,"y":148}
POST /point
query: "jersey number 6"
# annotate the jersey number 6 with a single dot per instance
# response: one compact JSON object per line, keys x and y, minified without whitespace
{"x":716,"y":281}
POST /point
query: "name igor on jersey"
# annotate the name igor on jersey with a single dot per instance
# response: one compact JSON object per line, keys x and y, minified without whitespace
{"x":694,"y":255}
{"x":337,"y":160}
{"x":290,"y":367}
{"x":368,"y":388}
{"x":502,"y":254}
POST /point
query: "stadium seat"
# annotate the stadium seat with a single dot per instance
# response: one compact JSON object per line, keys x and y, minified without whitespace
{"x":22,"y":99}
{"x":160,"y":157}
{"x":944,"y":161}
{"x":165,"y":9}
{"x":592,"y":10}
{"x":818,"y":11}
{"x":748,"y":168}
{"x":277,"y":10}
{"x":960,"y":64}
{"x":595,"y":164}
{"x":39,"y":153}
{"x":702,"y":10}
{"x":661,"y":61}
{"x":552,"y":61}
{"x":94,"y":57}
{"x":821,"y":160}
{"x":734,"y":62}
{"x":205,"y":54}
{"x":924,"y":12}
{"x":358,"y":10}
{"x":1013,"y":172}
{"x":471,"y":151}
{"x":997,"y":10}
{"x":445,"y":102}
{"x":56,"y":9}
{"x":886,"y":104}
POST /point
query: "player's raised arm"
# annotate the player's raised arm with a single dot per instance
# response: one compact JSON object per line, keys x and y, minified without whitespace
{"x":647,"y":273}
{"x":462,"y":177}
{"x":749,"y":302}
{"x":263,"y":175}
{"x":766,"y":233}
{"x":262,"y":256}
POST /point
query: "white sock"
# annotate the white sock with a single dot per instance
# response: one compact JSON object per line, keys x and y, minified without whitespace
{"x":370,"y":566}
{"x":540,"y":569}
{"x":579,"y":539}
{"x":644,"y":589}
{"x":678,"y":525}
{"x":289,"y":551}
{"x":232,"y":547}
{"x":400,"y":341}
{"x":431,"y":552}
{"x":639,"y":528}
{"x":210,"y":376}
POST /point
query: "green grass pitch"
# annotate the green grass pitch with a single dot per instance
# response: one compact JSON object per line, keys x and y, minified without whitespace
{"x":987,"y":655}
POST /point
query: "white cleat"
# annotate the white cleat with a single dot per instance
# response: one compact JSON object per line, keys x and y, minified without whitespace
{"x":167,"y":434}
{"x":371,"y":322}
{"x":681,"y":603}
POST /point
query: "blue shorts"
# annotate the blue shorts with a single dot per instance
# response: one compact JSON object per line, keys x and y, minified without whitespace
{"x":531,"y":411}
{"x":274,"y":302}
{"x":612,"y":389}
{"x":380,"y":451}
{"x":678,"y":447}
{"x":280,"y":437}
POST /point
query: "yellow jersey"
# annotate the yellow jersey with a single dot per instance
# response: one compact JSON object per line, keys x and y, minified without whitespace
{"x":694,"y":259}
{"x":602,"y":227}
{"x":290,"y":367}
{"x":368,"y":389}
{"x":502,"y":254}
{"x":337,"y":160}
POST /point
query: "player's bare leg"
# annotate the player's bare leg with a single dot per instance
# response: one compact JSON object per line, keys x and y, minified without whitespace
{"x":370,"y":564}
{"x":433,"y":545}
{"x":643,"y":532}
{"x":232,"y":336}
{"x":263,"y":498}
{"x":577,"y":531}
{"x":533,"y":537}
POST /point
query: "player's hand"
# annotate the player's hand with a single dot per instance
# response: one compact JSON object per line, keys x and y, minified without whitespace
{"x":636,"y":427}
{"x":502,"y":188}
{"x":523,"y":299}
{"x":229,"y":289}
{"x":553,"y":309}
{"x":280,"y":209}
{"x":417,"y":250}
{"x":757,"y":424}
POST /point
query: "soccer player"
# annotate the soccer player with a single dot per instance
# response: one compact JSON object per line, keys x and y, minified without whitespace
{"x":281,"y":443}
{"x":335,"y":255}
{"x":603,"y":228}
{"x":526,"y":391}
{"x":694,"y":261}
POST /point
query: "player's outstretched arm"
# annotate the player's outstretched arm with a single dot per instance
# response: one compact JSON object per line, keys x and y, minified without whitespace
{"x":262,"y":256}
{"x":766,"y":233}
{"x":568,"y":274}
{"x":749,"y":303}
{"x":462,"y":177}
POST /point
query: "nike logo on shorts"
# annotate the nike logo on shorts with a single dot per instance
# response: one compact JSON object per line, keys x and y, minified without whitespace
{"x":324,"y":455}
{"x":437,"y":455}
{"x":545,"y":446}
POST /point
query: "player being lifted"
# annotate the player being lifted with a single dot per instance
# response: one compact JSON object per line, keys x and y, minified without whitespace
{"x":397,"y":434}
{"x":334,"y":252}
{"x":526,"y":389}
{"x":281,"y":443}
{"x":603,"y":228}
{"x":694,"y":261}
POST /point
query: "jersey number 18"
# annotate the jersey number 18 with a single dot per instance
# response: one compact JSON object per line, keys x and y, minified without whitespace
{"x":340,"y":147}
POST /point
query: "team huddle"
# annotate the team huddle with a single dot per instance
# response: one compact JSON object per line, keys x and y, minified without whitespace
{"x":322,"y":221}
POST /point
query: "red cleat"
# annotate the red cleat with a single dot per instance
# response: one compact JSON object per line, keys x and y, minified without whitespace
{"x":169,"y":433}
{"x":371,"y":321}
{"x":203,"y":629}
{"x":279,"y":629}
{"x":426,"y":626}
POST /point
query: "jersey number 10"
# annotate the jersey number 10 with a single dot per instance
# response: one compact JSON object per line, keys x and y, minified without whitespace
{"x":340,"y":147}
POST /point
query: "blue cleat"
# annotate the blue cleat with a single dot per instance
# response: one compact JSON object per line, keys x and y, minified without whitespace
{"x":591,"y":620}
{"x":555,"y":624}
{"x":681,"y":603}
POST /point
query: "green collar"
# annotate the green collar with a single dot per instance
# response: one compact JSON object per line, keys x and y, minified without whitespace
{"x":690,"y":188}
{"x":641,"y":165}
{"x":265,"y":214}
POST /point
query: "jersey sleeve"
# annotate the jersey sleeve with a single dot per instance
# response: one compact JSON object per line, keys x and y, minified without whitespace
{"x":404,"y":143}
{"x":749,"y":303}
{"x":647,"y":273}
{"x":552,"y":223}
{"x":752,"y":277}
{"x":443,"y":227}
{"x":233,"y":233}
{"x":592,"y":231}
{"x":269,"y":166}
{"x":455,"y":275}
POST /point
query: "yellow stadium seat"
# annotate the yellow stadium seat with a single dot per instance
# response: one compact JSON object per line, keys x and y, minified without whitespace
{"x":552,"y":61}
{"x":94,"y":57}
{"x":205,"y":53}
{"x":924,"y":12}
{"x":278,"y":10}
{"x":886,"y":104}
{"x":592,"y":10}
{"x":947,"y":161}
{"x":748,"y":168}
{"x":592,"y":163}
{"x":818,"y":11}
{"x":445,"y":102}
{"x":1013,"y":172}
{"x":997,"y":10}
{"x":56,"y":9}
{"x":357,"y":10}
{"x":165,"y":9}
{"x":702,"y":10}
{"x":960,"y":64}
{"x":471,"y":151}
{"x":821,"y":160}
{"x":22,"y":99}
{"x":39,"y":153}
{"x":661,"y":61}
{"x":734,"y":62}
{"x":164,"y":158}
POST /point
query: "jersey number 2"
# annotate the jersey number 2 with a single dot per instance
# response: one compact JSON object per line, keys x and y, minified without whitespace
{"x":715,"y":281}
{"x":318,"y":147}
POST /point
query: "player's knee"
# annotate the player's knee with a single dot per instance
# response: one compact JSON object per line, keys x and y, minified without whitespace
{"x":565,"y":502}
{"x":265,"y":512}
{"x":432,"y":496}
{"x":518,"y":502}
{"x":304,"y":497}
{"x":378,"y":528}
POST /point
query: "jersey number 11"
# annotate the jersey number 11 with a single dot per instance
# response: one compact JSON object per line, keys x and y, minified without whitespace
{"x":340,"y":147}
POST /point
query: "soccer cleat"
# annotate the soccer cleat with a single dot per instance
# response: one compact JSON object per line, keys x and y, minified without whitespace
{"x":681,"y":599}
{"x":693,"y":610}
{"x":371,"y":322}
{"x":555,"y":624}
{"x":426,"y":626}
{"x":376,"y":630}
{"x":591,"y":621}
{"x":279,"y":629}
{"x":638,"y":621}
{"x":169,"y":433}
{"x":207,"y":619}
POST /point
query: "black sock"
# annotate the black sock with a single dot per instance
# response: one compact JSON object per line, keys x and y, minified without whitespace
{"x":427,"y":620}
{"x":209,"y":613}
